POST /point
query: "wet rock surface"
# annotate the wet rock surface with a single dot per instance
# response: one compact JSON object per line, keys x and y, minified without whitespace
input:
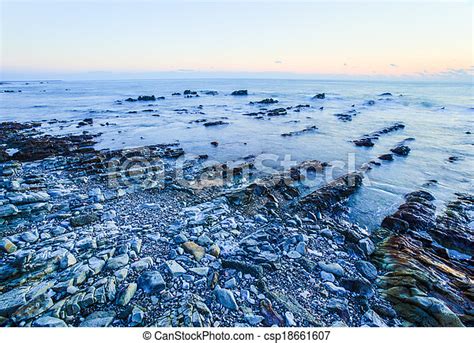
{"x":368,"y":140}
{"x":424,"y":260}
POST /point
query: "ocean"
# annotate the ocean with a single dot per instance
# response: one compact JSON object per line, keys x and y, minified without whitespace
{"x":437,"y":117}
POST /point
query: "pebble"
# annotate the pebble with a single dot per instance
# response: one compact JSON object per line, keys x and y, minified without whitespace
{"x":117,"y":262}
{"x":7,"y":246}
{"x":327,"y":233}
{"x":174,"y":268}
{"x":201,"y":271}
{"x":96,"y":264}
{"x":137,"y":316}
{"x":301,"y":248}
{"x":231,"y":283}
{"x":253,"y":319}
{"x":366,"y":269}
{"x":30,"y":236}
{"x":335,"y":289}
{"x":371,"y":318}
{"x":126,"y":294}
{"x":151,"y":282}
{"x":67,"y":260}
{"x":325,"y":276}
{"x":214,"y":250}
{"x":367,"y":246}
{"x":194,"y":249}
{"x":121,"y":274}
{"x":290,"y":319}
{"x":98,"y":319}
{"x":226,"y":298}
{"x":49,"y":322}
{"x":333,"y":268}
{"x":142,"y":264}
{"x":294,"y":254}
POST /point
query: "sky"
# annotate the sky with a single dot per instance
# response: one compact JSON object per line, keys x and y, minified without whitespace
{"x":133,"y":39}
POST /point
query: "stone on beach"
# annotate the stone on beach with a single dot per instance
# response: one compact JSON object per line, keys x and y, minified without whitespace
{"x":151,"y":282}
{"x":226,"y":298}
{"x":194,"y":249}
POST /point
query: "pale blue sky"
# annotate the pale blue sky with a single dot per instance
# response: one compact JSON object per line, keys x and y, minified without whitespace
{"x":125,"y":39}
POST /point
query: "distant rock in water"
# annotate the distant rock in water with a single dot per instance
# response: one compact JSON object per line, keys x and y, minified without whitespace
{"x":189,"y":92}
{"x":453,"y":159}
{"x":240,"y":92}
{"x":176,"y":94}
{"x":386,"y":94}
{"x":143,"y":98}
{"x":277,"y":112}
{"x":265,"y":101}
{"x":401,"y":150}
{"x":347,"y":116}
{"x":211,"y":92}
{"x":368,"y":139}
{"x":386,"y":157}
{"x":320,"y":96}
{"x":300,"y":132}
{"x":367,"y":142}
{"x":215,"y":123}
{"x":146,"y":98}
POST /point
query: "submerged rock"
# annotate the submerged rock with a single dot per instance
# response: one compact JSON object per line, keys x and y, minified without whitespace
{"x":240,"y":92}
{"x":320,"y":96}
{"x":401,"y":150}
{"x":267,"y":101}
{"x":215,"y":123}
{"x":142,"y":98}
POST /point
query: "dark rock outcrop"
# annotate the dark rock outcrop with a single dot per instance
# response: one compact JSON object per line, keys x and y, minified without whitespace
{"x":300,"y":132}
{"x":424,"y":261}
{"x":368,"y":139}
{"x":267,"y":101}
{"x":320,"y":96}
{"x":240,"y":92}
{"x":329,"y":195}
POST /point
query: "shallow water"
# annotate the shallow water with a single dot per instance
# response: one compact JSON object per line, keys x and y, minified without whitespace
{"x":436,"y":115}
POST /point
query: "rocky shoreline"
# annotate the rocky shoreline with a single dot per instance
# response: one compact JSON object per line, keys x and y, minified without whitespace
{"x":89,"y":238}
